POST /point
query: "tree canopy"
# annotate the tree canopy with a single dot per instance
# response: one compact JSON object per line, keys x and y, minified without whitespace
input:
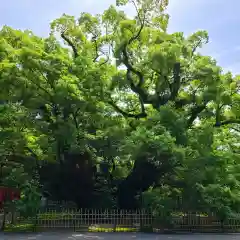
{"x":114,"y":111}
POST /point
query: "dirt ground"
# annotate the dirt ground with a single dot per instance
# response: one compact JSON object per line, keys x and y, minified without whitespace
{"x":116,"y":236}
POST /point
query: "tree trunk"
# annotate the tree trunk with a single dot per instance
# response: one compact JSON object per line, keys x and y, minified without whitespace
{"x":222,"y":225}
{"x":12,"y":217}
{"x":3,"y":221}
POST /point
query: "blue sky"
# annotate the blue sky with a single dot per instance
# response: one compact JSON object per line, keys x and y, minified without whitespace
{"x":220,"y":19}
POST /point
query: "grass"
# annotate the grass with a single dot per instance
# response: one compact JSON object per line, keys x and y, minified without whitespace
{"x":117,"y":229}
{"x":19,"y":228}
{"x":30,"y":228}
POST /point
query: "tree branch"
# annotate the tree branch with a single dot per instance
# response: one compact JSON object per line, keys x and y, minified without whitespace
{"x":98,"y":55}
{"x":34,"y":155}
{"x":126,"y":58}
{"x":194,"y":113}
{"x":101,"y":64}
{"x":196,"y":46}
{"x":130,"y":69}
{"x":64,"y":37}
{"x":75,"y":114}
{"x":227,"y":122}
{"x":128,"y":115}
{"x":38,"y":85}
{"x":133,"y":38}
{"x":175,"y":86}
{"x":96,"y":50}
{"x":235,"y":129}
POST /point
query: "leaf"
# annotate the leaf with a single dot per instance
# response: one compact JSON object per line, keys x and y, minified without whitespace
{"x":121,"y":2}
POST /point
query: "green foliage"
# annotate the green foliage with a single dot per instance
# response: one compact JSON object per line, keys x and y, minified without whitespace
{"x":158,"y":102}
{"x":29,"y":203}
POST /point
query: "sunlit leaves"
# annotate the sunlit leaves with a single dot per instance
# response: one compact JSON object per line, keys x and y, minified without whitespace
{"x":121,"y":2}
{"x":55,"y":102}
{"x":161,"y":22}
{"x":63,"y":24}
{"x":198,"y":38}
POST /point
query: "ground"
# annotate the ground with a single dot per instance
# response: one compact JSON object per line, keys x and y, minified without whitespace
{"x":116,"y":236}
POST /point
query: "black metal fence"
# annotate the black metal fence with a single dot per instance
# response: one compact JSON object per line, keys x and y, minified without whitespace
{"x":123,"y":220}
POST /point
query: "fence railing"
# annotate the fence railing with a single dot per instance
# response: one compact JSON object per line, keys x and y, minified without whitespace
{"x":58,"y":205}
{"x":94,"y":219}
{"x":122,"y":220}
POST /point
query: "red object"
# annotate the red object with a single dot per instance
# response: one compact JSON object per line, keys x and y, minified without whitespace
{"x":8,"y":194}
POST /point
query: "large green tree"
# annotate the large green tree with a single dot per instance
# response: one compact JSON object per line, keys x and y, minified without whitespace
{"x":149,"y":109}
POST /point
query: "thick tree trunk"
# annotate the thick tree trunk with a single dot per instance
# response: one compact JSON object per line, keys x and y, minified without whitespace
{"x":143,"y":175}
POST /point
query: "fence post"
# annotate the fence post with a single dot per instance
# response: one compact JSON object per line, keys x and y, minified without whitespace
{"x":222,"y":225}
{"x":73,"y":219}
{"x":35,"y":221}
{"x":114,"y":220}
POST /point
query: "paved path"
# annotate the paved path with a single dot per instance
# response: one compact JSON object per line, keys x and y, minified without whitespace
{"x":116,"y":236}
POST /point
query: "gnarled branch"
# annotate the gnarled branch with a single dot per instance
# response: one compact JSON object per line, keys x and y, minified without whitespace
{"x":70,"y":43}
{"x":130,"y":69}
{"x":194,"y":113}
{"x":128,"y":115}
